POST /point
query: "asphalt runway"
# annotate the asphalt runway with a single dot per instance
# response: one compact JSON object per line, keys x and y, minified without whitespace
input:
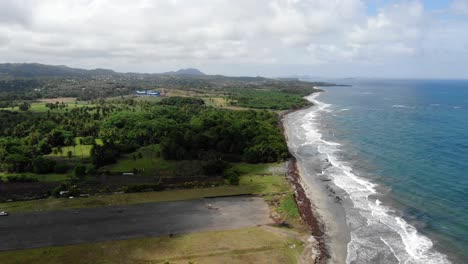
{"x":64,"y":227}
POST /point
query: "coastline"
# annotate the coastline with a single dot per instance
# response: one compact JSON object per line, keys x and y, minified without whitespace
{"x":317,"y":201}
{"x":356,"y":228}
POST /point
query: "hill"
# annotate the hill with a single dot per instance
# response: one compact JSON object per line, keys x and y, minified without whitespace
{"x":32,"y":70}
{"x":188,"y":71}
{"x":42,"y":70}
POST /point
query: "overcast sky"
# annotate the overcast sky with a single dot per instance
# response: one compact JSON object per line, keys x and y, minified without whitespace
{"x":329,"y":38}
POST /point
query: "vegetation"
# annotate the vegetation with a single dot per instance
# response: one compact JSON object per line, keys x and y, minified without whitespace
{"x":186,"y":136}
{"x":247,"y":245}
{"x":256,"y":181}
{"x":188,"y":144}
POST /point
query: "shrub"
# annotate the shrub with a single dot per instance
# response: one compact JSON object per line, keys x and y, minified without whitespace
{"x":232,"y":175}
{"x":79,"y":171}
{"x":21,"y":178}
{"x":214,"y":167}
{"x":42,"y":165}
{"x":142,"y":187}
{"x":60,"y":168}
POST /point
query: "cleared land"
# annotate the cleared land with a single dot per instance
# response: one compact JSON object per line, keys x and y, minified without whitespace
{"x":246,"y":245}
{"x":58,"y":100}
{"x":42,"y":108}
{"x":40,"y":229}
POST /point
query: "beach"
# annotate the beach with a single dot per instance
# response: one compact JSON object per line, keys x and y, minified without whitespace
{"x":327,"y":218}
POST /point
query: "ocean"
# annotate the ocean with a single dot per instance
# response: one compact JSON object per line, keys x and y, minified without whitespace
{"x":396,"y":153}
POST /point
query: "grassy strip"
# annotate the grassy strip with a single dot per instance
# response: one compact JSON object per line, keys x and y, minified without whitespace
{"x":42,"y":108}
{"x":49,"y":177}
{"x":249,"y":184}
{"x":247,"y":245}
{"x":289,"y":208}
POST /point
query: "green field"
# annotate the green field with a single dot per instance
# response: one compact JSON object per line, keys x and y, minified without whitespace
{"x":40,"y":107}
{"x":247,"y":245}
{"x":149,"y":164}
{"x":49,"y":177}
{"x":289,"y":208}
{"x":78,"y":151}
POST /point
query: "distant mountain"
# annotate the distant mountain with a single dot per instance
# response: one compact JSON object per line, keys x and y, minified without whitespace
{"x":188,"y":71}
{"x":42,"y":70}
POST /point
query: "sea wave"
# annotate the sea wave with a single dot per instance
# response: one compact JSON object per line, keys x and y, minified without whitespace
{"x":403,"y":106}
{"x":377,"y":233}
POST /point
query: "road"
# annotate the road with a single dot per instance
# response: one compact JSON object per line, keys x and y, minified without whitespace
{"x":40,"y":229}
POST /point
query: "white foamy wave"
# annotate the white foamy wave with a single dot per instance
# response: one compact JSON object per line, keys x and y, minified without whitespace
{"x":403,"y":106}
{"x":375,"y":231}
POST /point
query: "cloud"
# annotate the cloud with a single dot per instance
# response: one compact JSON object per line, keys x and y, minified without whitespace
{"x":460,"y":7}
{"x":145,"y":35}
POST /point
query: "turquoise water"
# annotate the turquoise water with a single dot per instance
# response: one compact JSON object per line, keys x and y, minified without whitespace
{"x":410,"y":137}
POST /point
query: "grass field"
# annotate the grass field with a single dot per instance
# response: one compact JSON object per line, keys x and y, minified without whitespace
{"x":40,"y":107}
{"x":247,"y":245}
{"x":50,"y":177}
{"x":149,"y":164}
{"x":289,"y":208}
{"x":66,"y":100}
{"x":78,"y":151}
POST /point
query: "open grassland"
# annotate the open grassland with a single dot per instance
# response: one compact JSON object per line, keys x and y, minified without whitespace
{"x":58,"y":100}
{"x":40,"y":107}
{"x":78,"y":151}
{"x":247,"y":245}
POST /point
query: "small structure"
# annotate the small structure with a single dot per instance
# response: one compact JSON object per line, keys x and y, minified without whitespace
{"x":148,"y":93}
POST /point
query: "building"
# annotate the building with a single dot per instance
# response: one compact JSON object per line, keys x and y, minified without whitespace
{"x":148,"y":93}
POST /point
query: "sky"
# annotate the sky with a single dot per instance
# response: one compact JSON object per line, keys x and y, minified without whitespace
{"x":323,"y":38}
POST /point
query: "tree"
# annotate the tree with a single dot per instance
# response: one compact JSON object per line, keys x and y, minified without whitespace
{"x":69,"y":154}
{"x":42,"y":165}
{"x":79,"y":171}
{"x":24,"y":106}
{"x":15,"y":163}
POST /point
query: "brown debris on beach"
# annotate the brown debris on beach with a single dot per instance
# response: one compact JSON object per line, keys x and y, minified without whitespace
{"x":306,"y":210}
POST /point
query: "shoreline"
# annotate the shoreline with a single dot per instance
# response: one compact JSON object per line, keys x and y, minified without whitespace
{"x":316,"y":200}
{"x":324,"y":177}
{"x":314,"y":209}
{"x":311,"y":218}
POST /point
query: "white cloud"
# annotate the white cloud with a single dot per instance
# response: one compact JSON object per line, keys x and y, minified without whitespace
{"x":460,"y":7}
{"x":145,"y":35}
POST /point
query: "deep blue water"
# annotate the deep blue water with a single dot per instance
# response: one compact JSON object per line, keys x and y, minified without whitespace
{"x":411,"y":138}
